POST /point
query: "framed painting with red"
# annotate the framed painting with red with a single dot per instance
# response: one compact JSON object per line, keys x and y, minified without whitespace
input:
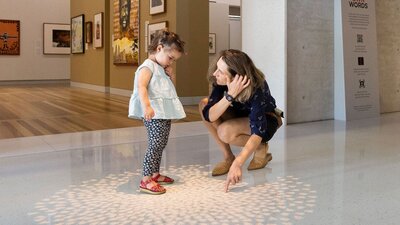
{"x":9,"y":37}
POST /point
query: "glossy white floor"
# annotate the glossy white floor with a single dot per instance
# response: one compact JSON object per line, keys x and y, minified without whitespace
{"x":327,"y":172}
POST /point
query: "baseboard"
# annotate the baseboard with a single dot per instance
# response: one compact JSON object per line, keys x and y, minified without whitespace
{"x":191,"y":100}
{"x":185,"y":100}
{"x":123,"y":92}
{"x":91,"y":87}
{"x":33,"y":82}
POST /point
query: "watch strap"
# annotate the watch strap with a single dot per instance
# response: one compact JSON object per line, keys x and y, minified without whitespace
{"x":229,"y":97}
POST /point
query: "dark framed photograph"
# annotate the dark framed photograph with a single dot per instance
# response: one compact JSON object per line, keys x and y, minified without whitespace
{"x":56,"y":39}
{"x":98,"y":30}
{"x":212,"y":43}
{"x":77,"y":34}
{"x":157,"y":6}
{"x":89,"y":31}
{"x":10,"y":37}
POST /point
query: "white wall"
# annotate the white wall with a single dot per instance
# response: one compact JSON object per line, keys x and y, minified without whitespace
{"x":31,"y":64}
{"x":219,"y":24}
{"x":264,"y":40}
{"x":339,"y":93}
{"x":235,"y":33}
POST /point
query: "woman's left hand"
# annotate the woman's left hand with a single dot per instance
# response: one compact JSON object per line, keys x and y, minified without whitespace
{"x":234,"y":175}
{"x":237,"y":85}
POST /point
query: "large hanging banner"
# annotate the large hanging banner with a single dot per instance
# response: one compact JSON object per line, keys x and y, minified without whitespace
{"x":356,"y":69}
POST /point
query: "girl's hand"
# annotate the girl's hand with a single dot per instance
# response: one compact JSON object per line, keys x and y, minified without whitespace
{"x":170,"y":72}
{"x":148,"y":113}
{"x":237,"y":85}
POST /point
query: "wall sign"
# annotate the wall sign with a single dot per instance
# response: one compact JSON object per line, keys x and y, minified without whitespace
{"x":356,"y":70}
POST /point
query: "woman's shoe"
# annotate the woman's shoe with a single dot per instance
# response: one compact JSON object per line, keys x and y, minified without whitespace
{"x":259,"y":163}
{"x":166,"y":180}
{"x":156,"y":189}
{"x":222,"y":168}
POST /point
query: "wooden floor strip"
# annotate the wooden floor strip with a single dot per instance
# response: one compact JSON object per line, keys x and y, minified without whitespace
{"x":31,"y":110}
{"x":32,"y":131}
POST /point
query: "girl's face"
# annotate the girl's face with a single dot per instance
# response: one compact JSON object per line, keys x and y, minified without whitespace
{"x":221,"y":74}
{"x":166,"y":56}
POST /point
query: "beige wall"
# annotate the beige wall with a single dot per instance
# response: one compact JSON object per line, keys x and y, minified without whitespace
{"x":89,"y":68}
{"x":96,"y":67}
{"x":388,"y":32}
{"x":121,"y":77}
{"x":192,"y":26}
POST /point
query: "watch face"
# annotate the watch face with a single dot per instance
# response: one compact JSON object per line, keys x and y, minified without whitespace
{"x":228,"y":97}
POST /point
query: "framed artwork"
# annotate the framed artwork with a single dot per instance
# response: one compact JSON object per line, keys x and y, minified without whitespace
{"x":98,"y":30}
{"x":9,"y":37}
{"x":153,"y":28}
{"x":89,"y":31}
{"x":125,"y":37}
{"x":212,"y":43}
{"x":77,"y":34}
{"x":157,"y":6}
{"x":56,"y":39}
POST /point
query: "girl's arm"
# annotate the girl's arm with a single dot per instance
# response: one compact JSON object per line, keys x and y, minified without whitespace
{"x":143,"y":82}
{"x":235,"y":172}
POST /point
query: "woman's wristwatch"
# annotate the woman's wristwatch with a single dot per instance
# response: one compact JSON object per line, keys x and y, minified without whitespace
{"x":229,"y":97}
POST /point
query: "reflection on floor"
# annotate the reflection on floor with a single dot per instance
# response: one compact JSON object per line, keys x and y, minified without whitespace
{"x":327,"y":172}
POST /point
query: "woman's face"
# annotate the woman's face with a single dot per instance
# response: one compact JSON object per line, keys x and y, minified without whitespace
{"x":221,"y":74}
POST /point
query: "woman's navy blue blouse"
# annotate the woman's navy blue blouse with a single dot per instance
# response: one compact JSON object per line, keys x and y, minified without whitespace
{"x":255,"y":108}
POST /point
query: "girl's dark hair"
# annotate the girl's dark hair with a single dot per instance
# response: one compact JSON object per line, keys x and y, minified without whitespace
{"x":167,"y":39}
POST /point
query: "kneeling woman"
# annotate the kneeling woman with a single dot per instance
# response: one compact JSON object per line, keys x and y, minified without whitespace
{"x":240,"y":111}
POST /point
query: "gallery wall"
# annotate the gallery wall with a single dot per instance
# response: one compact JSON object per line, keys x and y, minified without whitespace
{"x":121,"y":77}
{"x":309,"y":51}
{"x":32,"y":64}
{"x":96,"y":70}
{"x":309,"y":56}
{"x":192,"y":20}
{"x":89,"y":70}
{"x":264,"y":40}
{"x":388,"y":32}
{"x":235,"y":33}
{"x":219,"y":25}
{"x":310,"y":60}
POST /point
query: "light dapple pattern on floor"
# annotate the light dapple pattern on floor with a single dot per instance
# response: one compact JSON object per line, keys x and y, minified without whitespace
{"x":326,"y":172}
{"x":195,"y":198}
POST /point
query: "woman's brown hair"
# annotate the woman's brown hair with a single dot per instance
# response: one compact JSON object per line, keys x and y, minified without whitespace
{"x":166,"y":39}
{"x":240,"y":63}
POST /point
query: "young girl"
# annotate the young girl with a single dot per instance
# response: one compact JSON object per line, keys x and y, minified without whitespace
{"x":154,"y":100}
